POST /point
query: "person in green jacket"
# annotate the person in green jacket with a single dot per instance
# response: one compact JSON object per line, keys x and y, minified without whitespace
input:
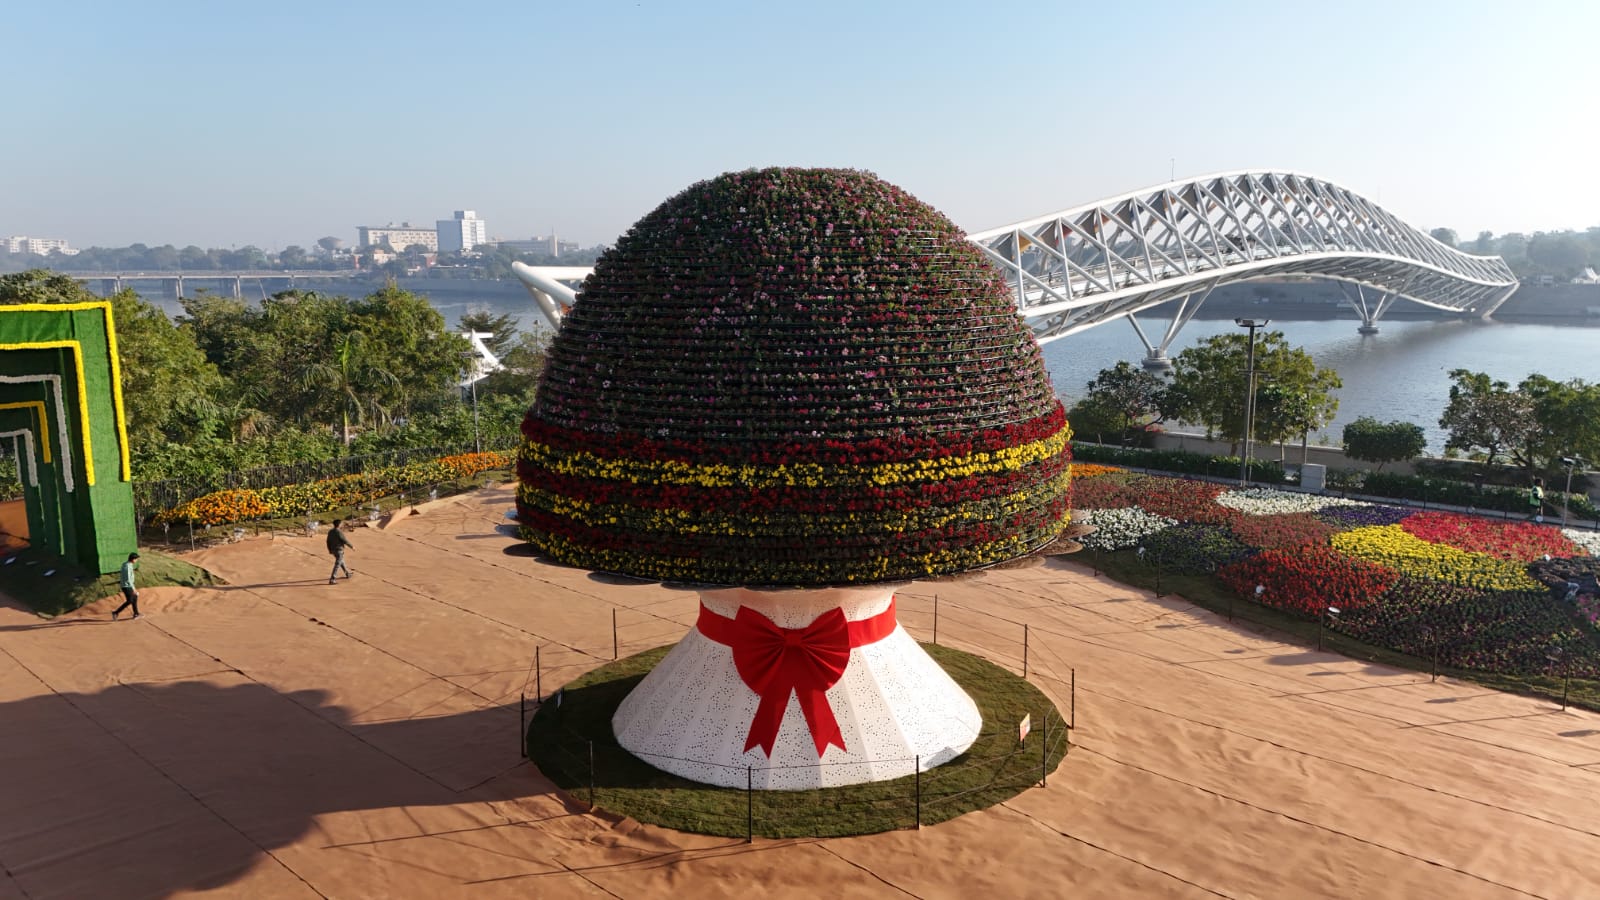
{"x":128,"y":590}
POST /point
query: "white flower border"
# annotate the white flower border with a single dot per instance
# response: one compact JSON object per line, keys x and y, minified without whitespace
{"x":1588,"y":540}
{"x":1272,"y":502}
{"x":1119,"y":529}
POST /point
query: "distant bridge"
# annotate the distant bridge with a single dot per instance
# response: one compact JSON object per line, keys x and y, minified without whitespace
{"x":1089,"y":265}
{"x":232,"y":279}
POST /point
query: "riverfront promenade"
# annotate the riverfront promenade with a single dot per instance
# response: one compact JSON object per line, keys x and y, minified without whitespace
{"x":282,"y":737}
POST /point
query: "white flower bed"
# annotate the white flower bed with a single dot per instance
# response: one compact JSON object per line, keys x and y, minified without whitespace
{"x":1272,"y":502}
{"x":1119,"y":529}
{"x":1588,"y":540}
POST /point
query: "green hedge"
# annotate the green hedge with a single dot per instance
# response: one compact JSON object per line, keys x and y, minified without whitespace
{"x":1354,"y":481}
{"x":1181,"y":461}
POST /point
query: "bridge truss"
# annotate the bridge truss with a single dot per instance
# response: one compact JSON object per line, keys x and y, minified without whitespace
{"x":1089,"y":265}
{"x":1085,"y":266}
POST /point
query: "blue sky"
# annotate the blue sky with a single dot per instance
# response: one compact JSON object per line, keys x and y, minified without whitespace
{"x":224,"y":124}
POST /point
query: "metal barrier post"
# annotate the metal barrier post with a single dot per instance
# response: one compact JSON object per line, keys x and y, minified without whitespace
{"x":613,"y":632}
{"x":522,"y":722}
{"x":591,"y":774}
{"x":1024,"y":651}
{"x":538,"y":677}
{"x":749,"y":805}
{"x":191,"y":533}
{"x":1072,"y":706}
{"x":935,"y":620}
{"x":919,"y":790}
{"x":1044,"y":751}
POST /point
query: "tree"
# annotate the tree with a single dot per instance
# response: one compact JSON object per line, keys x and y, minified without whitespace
{"x":1487,"y":414}
{"x":1445,"y":236}
{"x":1484,"y":245}
{"x":1208,"y":384}
{"x":1090,"y":416}
{"x":1566,"y":418}
{"x":1369,"y":440}
{"x":1130,"y":393}
{"x":292,"y":257}
{"x":502,"y":329}
{"x":1559,"y":254}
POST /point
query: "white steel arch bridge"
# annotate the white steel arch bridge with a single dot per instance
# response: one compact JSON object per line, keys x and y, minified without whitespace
{"x":1085,"y":266}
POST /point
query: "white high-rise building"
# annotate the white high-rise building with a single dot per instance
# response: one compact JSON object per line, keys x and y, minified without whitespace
{"x":463,"y":232}
{"x":40,"y":246}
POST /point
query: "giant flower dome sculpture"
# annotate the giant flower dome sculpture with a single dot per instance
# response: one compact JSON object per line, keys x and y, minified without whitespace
{"x":795,"y":389}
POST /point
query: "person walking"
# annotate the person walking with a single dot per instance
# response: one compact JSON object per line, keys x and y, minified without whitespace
{"x":1536,"y":500}
{"x":337,"y":544}
{"x":128,"y":590}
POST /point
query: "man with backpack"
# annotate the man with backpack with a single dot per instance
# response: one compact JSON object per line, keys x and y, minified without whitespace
{"x":337,"y":544}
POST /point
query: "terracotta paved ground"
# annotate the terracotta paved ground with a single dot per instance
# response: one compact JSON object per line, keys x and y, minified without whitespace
{"x":281,"y":737}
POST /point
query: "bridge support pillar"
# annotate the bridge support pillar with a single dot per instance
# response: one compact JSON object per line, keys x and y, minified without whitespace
{"x":238,"y":287}
{"x":1370,"y":314}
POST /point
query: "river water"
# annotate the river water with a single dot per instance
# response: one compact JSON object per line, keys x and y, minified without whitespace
{"x":1401,"y":373}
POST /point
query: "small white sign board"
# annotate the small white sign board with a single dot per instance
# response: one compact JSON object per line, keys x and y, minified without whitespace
{"x":1023,"y":727}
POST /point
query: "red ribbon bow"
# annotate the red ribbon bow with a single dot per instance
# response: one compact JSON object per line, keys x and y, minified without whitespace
{"x":775,"y":662}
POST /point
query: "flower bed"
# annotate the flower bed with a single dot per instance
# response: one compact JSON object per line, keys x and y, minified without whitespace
{"x":1308,"y":579}
{"x":1194,"y":549}
{"x":1281,"y":532}
{"x":1393,"y":546}
{"x":1271,"y":502}
{"x":1093,"y":470}
{"x":285,"y":501}
{"x":1587,"y":541}
{"x":1512,"y":541}
{"x":1119,"y":529}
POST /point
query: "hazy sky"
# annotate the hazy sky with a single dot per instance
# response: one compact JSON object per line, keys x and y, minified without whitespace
{"x":223,"y":124}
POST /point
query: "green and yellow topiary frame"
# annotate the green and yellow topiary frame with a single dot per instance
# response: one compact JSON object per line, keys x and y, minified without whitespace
{"x":61,"y":406}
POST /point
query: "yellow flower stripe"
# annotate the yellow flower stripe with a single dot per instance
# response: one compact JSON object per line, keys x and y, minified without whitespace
{"x":584,"y":464}
{"x":683,"y":521}
{"x":1398,"y":549}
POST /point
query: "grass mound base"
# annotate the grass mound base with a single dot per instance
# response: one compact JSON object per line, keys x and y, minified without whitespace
{"x":573,"y":746}
{"x":68,"y":587}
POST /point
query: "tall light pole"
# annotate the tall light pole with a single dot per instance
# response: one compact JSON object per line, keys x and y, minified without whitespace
{"x":1250,"y":393}
{"x":471,"y":359}
{"x":1566,"y":496}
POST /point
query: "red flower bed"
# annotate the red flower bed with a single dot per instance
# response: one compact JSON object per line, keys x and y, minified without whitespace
{"x":1308,"y":579}
{"x":1105,"y":493}
{"x":1281,"y":532}
{"x":1512,"y":541}
{"x":1186,"y":501}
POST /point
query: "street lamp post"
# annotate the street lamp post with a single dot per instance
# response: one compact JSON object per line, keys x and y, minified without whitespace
{"x":1329,"y":616}
{"x":1250,"y":392}
{"x":1566,"y":496}
{"x":471,"y":359}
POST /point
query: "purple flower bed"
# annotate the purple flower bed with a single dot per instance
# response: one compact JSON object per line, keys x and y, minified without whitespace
{"x":1194,"y":549}
{"x":1348,"y":517}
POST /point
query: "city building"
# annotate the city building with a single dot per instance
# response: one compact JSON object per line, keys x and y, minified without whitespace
{"x":38,"y":246}
{"x":398,"y":237}
{"x":549,"y":246}
{"x":463,"y":232}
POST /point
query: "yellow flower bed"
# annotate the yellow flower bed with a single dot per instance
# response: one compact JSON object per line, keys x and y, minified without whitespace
{"x":1395,"y":548}
{"x":284,"y":501}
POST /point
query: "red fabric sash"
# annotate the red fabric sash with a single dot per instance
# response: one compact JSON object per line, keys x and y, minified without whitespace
{"x":775,"y":662}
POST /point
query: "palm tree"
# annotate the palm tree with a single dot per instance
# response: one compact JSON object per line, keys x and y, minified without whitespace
{"x":349,"y":374}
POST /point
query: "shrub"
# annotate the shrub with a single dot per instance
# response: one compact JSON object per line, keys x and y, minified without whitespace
{"x":1369,"y":440}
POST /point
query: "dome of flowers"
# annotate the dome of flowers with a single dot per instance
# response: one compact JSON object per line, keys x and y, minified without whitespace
{"x":793,"y":377}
